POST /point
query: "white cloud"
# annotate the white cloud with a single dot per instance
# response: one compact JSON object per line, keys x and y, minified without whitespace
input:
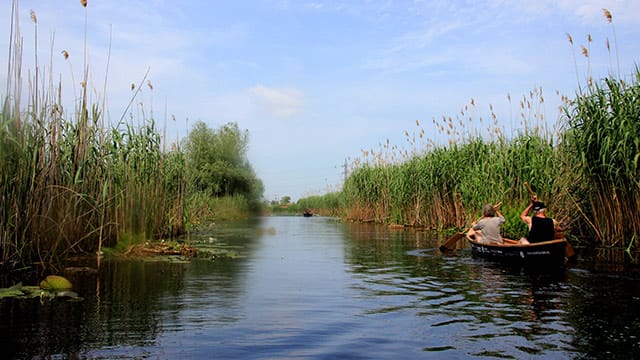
{"x":591,"y":11}
{"x":284,"y":102}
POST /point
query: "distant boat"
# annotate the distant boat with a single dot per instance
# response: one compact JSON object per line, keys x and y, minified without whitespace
{"x":307,"y":213}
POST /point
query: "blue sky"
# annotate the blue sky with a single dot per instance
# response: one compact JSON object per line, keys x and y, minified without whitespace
{"x":317,"y":82}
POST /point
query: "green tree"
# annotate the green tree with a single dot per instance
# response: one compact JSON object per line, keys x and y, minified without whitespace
{"x":217,"y":162}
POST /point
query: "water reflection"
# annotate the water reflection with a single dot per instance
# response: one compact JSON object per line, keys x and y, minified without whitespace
{"x":466,"y":306}
{"x":605,"y":314}
{"x":120,"y":308}
{"x":318,"y":288}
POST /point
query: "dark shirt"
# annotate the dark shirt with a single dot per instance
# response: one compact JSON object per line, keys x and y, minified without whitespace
{"x":542,"y":229}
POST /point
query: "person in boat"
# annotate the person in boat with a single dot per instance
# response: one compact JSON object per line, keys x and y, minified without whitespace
{"x":487,"y":228}
{"x":541,"y":227}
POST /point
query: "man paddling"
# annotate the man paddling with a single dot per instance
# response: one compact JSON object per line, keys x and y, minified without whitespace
{"x":541,"y":227}
{"x":487,"y":229}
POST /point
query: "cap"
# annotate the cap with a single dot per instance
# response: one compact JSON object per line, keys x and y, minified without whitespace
{"x":538,"y":206}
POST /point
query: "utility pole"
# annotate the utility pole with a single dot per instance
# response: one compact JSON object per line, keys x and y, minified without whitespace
{"x":345,"y":171}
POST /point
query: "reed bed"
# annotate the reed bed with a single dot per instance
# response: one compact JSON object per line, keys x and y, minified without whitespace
{"x":69,"y":182}
{"x":447,"y":186}
{"x":326,"y":205}
{"x":444,"y":186}
{"x":604,"y":151}
{"x":72,"y":182}
{"x":585,"y":165}
{"x":585,"y":168}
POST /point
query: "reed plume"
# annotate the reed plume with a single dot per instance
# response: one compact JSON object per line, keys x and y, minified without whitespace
{"x":607,"y":15}
{"x":609,"y":18}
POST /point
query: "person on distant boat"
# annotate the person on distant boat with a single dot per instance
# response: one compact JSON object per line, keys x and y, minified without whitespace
{"x":541,"y":227}
{"x":487,"y":228}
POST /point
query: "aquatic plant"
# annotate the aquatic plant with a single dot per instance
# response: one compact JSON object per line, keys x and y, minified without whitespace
{"x":55,"y":283}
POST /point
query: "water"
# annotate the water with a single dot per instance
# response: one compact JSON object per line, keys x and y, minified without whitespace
{"x":314,"y":288}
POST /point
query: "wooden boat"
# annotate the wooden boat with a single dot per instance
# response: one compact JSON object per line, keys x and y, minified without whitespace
{"x":307,"y":213}
{"x":547,"y":253}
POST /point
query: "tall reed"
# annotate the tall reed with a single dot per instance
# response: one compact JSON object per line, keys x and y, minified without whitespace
{"x":68,"y":182}
{"x":441,"y":186}
{"x":602,"y":149}
{"x":602,"y":140}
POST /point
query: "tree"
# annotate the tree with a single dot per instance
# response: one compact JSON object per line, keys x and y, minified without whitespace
{"x":217,"y":162}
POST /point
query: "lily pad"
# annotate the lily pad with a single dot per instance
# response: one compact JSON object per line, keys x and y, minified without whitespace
{"x":55,"y":283}
{"x":19,"y":291}
{"x":10,"y":292}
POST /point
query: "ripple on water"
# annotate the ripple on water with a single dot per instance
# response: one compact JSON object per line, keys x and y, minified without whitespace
{"x":314,"y":288}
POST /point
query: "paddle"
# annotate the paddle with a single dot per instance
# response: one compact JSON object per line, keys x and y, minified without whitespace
{"x":451,"y":242}
{"x":569,"y":252}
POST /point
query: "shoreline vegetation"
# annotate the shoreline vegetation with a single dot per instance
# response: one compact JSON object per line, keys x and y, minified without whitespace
{"x":74,"y":181}
{"x":586,"y":167}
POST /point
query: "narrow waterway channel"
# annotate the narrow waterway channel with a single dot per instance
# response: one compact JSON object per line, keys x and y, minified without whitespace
{"x":315,"y":288}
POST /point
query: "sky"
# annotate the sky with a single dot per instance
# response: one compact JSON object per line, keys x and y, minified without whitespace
{"x":317,"y":83}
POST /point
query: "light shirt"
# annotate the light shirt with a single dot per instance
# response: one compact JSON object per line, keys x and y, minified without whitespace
{"x":490,"y":227}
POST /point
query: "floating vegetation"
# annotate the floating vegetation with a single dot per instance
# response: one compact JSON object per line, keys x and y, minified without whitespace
{"x":218,"y":254}
{"x":55,"y":283}
{"x":161,"y":248}
{"x":20,"y":291}
{"x":178,"y":252}
{"x":53,"y":286}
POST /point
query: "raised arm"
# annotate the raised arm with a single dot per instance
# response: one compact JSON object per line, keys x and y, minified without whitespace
{"x":525,"y":213}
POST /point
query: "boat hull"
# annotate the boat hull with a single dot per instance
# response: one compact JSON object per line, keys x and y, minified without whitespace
{"x":546,"y":253}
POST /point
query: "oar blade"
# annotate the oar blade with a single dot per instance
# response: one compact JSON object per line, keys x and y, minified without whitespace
{"x":451,"y":242}
{"x":569,"y":252}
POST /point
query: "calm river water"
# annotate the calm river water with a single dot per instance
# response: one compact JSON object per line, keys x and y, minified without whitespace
{"x":315,"y":288}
